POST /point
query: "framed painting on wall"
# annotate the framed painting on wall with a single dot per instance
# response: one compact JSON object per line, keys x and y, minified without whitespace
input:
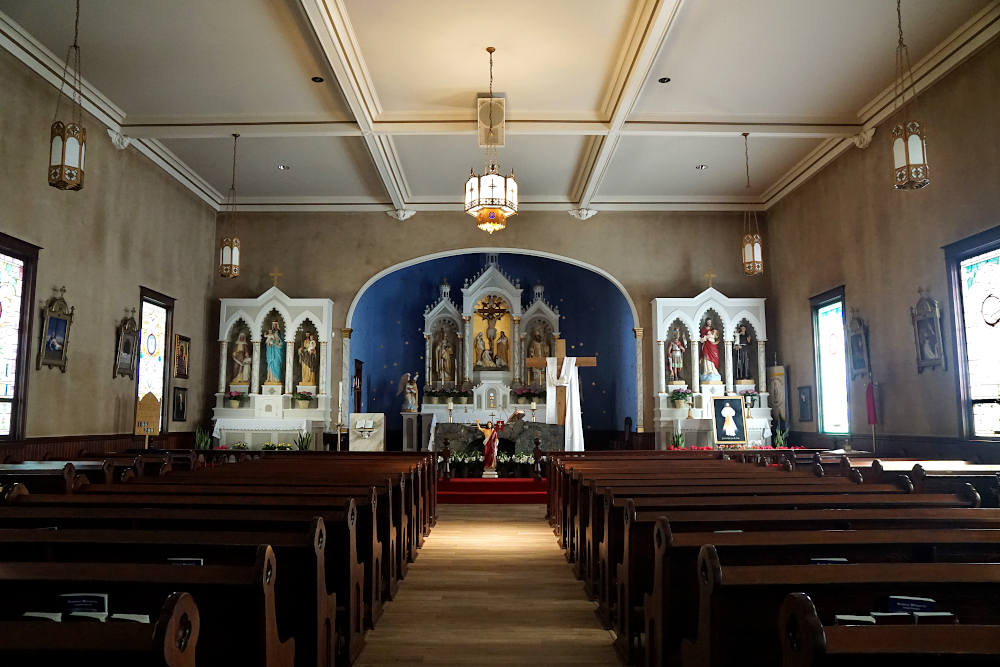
{"x":180,"y":404}
{"x":729,"y":420}
{"x":806,"y":404}
{"x":182,"y":356}
{"x":127,"y":351}
{"x":57,"y":318}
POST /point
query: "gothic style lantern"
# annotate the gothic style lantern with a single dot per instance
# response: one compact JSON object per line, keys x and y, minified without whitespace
{"x":753,"y":259}
{"x":909,"y":151}
{"x":229,"y":247}
{"x":491,"y":198}
{"x":68,"y":140}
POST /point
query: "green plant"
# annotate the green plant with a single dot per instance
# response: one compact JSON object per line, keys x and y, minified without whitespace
{"x":681,"y":395}
{"x":302,"y":396}
{"x":280,"y":447}
{"x":780,"y":439}
{"x":677,"y":440}
{"x":304,"y":441}
{"x":202,"y":439}
{"x":239,"y":445}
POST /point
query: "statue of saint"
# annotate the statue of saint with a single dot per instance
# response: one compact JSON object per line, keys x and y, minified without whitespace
{"x":275,"y":348}
{"x":709,"y":352}
{"x":307,"y":359}
{"x":408,"y":387}
{"x":675,"y":353}
{"x":484,"y":356}
{"x":741,"y":354}
{"x":242,"y":361}
{"x":491,"y":440}
{"x":538,"y":348}
{"x":503,"y":350}
{"x":443,"y":359}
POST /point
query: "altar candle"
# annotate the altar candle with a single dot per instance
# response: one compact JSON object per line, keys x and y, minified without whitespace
{"x":533,"y":406}
{"x":451,"y":404}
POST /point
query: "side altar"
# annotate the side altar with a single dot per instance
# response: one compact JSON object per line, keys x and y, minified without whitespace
{"x":274,"y":370}
{"x":712,"y":346}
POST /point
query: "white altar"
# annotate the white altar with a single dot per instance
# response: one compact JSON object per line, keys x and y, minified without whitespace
{"x":273,"y":348}
{"x":737,"y":320}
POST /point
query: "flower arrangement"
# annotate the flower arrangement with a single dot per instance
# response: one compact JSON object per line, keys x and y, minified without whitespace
{"x":677,"y":440}
{"x":280,"y":447}
{"x":237,"y":445}
{"x":681,"y":395}
{"x":236,"y":396}
{"x":751,"y":396}
{"x":302,"y":396}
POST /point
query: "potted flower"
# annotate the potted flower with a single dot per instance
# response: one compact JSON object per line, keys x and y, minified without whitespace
{"x":476,"y":464}
{"x":523,"y":395}
{"x":235,"y":399}
{"x":677,"y":440}
{"x":464,"y":396}
{"x":302,"y":399}
{"x":432,"y":396}
{"x":523,"y":464}
{"x":680,"y":397}
{"x":751,"y":396}
{"x":459,"y":464}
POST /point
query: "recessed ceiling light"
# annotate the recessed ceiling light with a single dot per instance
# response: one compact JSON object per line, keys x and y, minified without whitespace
{"x":665,"y":79}
{"x":283,"y":167}
{"x":317,"y":79}
{"x":701,"y":166}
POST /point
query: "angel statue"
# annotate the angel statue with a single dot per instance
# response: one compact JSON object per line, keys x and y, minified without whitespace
{"x":408,"y":387}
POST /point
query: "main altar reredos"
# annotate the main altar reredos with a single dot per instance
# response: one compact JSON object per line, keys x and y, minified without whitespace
{"x":482,"y":347}
{"x":740,"y":333}
{"x":270,"y":349}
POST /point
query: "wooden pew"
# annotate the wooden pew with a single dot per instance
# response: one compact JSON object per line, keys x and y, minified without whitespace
{"x":806,"y":642}
{"x":345,"y":575}
{"x":55,"y":476}
{"x":170,"y":640}
{"x":668,"y":617}
{"x":738,"y":605}
{"x":235,"y":603}
{"x":304,"y":609}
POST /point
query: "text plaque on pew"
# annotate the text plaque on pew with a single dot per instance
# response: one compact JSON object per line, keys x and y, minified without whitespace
{"x":147,"y":417}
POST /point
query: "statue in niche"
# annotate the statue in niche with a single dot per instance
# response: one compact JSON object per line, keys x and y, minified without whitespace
{"x":484,"y":355}
{"x":275,"y":348}
{"x":408,"y":387}
{"x":675,"y":353}
{"x":538,"y":348}
{"x":709,"y":336}
{"x":503,"y":350}
{"x":492,"y":310}
{"x":741,"y":354}
{"x":242,"y":361}
{"x":444,"y":359}
{"x":307,"y":359}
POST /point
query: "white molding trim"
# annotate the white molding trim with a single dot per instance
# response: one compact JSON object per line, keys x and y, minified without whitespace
{"x":401,"y":214}
{"x":583,"y":213}
{"x":119,"y":140}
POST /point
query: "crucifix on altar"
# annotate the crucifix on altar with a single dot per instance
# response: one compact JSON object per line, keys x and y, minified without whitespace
{"x":542,"y":362}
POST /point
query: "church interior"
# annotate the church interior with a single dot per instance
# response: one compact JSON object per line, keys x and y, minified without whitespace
{"x":733,"y":266}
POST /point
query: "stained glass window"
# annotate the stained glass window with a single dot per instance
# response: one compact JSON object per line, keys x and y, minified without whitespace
{"x":980,"y":282}
{"x":831,"y":368}
{"x":153,"y":352}
{"x":11,"y":293}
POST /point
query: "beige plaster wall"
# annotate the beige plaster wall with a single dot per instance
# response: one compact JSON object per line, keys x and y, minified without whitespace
{"x":848,"y":226}
{"x":653,"y":254}
{"x":132,"y":225}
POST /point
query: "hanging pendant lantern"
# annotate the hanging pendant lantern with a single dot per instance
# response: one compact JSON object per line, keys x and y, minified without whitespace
{"x":753,"y":256}
{"x":68,"y":140}
{"x":909,"y":150}
{"x":491,"y":198}
{"x":229,"y":247}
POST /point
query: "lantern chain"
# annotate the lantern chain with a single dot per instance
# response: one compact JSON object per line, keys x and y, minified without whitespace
{"x":903,"y":69}
{"x":76,"y":85}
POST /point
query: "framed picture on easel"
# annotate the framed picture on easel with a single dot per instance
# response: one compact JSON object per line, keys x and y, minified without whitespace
{"x":729,"y":420}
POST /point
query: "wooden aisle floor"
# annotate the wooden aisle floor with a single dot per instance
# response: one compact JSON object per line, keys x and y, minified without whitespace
{"x":490,"y":587}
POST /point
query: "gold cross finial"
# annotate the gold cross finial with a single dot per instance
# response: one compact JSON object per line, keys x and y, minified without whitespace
{"x":709,"y":275}
{"x":275,"y":275}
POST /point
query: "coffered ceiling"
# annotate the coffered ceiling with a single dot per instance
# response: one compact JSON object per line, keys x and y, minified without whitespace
{"x":392,"y":124}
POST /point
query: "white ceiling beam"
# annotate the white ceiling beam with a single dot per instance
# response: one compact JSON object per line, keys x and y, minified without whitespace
{"x":650,"y":25}
{"x":332,"y":28}
{"x":193,"y":130}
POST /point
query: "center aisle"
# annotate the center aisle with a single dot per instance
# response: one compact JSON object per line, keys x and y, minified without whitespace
{"x":490,"y":587}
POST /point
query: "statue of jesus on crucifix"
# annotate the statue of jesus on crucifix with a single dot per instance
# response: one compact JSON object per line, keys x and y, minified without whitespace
{"x":492,"y":310}
{"x":562,"y":384}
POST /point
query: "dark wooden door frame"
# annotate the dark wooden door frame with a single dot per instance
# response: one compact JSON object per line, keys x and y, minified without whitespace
{"x":27,"y":253}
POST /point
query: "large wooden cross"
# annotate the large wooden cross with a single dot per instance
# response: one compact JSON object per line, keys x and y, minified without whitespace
{"x":542,"y":362}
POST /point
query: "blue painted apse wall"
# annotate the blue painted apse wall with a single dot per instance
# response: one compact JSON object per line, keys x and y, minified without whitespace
{"x":596,"y":321}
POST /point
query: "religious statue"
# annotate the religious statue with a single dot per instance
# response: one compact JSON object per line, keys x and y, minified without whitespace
{"x":741,"y":354}
{"x":538,"y":348}
{"x":242,"y":361}
{"x":491,"y":311}
{"x":307,"y":359}
{"x":408,"y":387}
{"x":709,"y":336}
{"x":443,"y":359}
{"x":503,"y":350}
{"x":484,"y":355}
{"x":675,"y":353}
{"x":491,"y":440}
{"x":275,"y":347}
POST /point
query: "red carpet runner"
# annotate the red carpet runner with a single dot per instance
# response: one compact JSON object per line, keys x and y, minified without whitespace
{"x":508,"y":491}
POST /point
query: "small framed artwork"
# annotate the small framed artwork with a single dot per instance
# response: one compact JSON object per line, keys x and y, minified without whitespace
{"x":127,"y":351}
{"x":926,"y":317}
{"x":729,"y":425}
{"x":57,"y":318}
{"x":182,"y":356}
{"x":805,"y":404}
{"x":857,"y":346}
{"x":180,"y":404}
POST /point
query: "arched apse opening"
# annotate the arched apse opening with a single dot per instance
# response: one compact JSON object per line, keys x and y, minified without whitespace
{"x":598,"y":318}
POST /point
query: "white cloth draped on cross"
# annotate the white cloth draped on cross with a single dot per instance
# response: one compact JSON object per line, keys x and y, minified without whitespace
{"x":568,"y":377}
